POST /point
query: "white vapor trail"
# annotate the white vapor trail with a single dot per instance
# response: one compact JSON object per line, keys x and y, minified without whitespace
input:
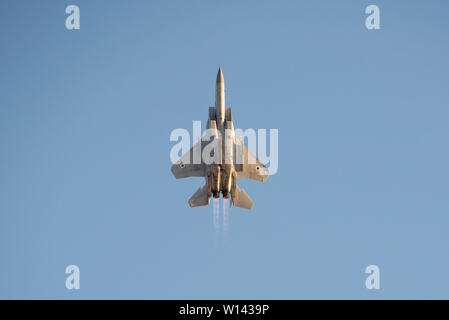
{"x":216,"y":214}
{"x":225,"y":214}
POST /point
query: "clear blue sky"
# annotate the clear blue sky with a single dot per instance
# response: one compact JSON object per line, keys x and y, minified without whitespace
{"x":85,"y":119}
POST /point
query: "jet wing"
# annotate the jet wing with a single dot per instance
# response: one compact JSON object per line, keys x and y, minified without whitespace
{"x":251,"y":168}
{"x":185,"y":167}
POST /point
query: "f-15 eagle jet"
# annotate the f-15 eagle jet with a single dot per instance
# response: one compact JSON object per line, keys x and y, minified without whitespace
{"x":220,"y":157}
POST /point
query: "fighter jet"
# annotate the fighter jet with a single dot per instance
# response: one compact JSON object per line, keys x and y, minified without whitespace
{"x":220,"y":158}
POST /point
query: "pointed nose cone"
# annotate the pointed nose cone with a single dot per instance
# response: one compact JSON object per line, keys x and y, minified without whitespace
{"x":220,"y":76}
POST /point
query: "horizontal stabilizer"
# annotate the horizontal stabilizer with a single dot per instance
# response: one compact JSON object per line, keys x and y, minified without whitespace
{"x":200,"y":198}
{"x":241,"y":199}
